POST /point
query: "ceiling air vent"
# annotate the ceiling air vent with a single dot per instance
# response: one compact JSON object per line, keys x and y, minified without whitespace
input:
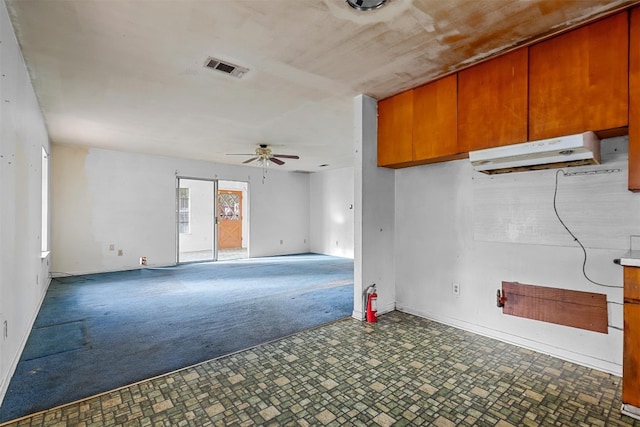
{"x":226,"y":67}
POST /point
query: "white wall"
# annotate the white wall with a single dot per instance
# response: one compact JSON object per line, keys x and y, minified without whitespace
{"x":445,"y":234}
{"x":374,"y":212}
{"x":102,"y":197}
{"x":331,"y":230}
{"x":24,"y":275}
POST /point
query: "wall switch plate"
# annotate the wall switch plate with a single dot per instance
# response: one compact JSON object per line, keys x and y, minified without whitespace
{"x":112,"y":247}
{"x":120,"y":252}
{"x":455,"y":289}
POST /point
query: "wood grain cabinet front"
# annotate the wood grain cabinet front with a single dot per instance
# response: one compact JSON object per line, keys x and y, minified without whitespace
{"x":492,"y":102}
{"x":631,"y":355}
{"x":631,"y":337}
{"x":395,"y":129}
{"x":632,"y":284}
{"x":578,"y":81}
{"x":435,"y":120}
{"x":634,"y":100}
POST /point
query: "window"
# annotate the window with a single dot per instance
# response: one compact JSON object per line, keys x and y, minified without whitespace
{"x":229,"y":206}
{"x":44,"y":238}
{"x":184,"y":211}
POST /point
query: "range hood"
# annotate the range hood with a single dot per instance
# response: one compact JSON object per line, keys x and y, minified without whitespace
{"x":572,"y":150}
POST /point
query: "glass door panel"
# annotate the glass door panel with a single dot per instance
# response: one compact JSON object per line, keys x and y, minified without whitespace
{"x":196,"y":220}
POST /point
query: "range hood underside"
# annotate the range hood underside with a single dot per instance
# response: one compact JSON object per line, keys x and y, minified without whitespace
{"x":572,"y":150}
{"x":557,"y":165}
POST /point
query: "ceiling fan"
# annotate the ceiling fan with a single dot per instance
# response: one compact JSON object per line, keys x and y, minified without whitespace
{"x":264,"y":155}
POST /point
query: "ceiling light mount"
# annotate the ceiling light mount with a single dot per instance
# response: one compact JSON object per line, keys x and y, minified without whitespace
{"x":263,"y":153}
{"x":365,"y":5}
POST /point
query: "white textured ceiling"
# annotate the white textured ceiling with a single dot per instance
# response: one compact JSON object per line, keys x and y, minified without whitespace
{"x":129,"y":75}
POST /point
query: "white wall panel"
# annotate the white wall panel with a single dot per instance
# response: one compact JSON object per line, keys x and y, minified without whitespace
{"x":103,"y":197}
{"x":597,"y":208}
{"x":331,"y":230}
{"x":24,"y":274}
{"x":445,"y":234}
{"x":375,"y":210}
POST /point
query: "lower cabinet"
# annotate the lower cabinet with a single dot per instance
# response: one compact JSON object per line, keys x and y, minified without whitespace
{"x":631,"y":355}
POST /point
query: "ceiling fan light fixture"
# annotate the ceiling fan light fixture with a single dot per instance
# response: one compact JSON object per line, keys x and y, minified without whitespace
{"x":263,"y":152}
{"x":365,"y":5}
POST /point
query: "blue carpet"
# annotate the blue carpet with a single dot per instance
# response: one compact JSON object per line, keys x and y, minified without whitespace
{"x":98,"y":332}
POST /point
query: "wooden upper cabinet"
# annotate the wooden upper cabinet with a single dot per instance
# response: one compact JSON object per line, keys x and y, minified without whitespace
{"x":578,"y":80}
{"x":435,"y":120}
{"x":492,"y":102}
{"x":634,"y":101}
{"x":395,"y":129}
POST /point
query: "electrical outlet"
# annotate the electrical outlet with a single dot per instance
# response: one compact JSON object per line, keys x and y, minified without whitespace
{"x":143,"y":260}
{"x":455,"y":289}
{"x":281,"y":241}
{"x":5,"y":330}
{"x":112,"y":247}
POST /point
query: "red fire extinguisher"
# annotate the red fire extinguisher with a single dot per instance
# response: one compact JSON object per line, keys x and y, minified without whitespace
{"x":372,"y":304}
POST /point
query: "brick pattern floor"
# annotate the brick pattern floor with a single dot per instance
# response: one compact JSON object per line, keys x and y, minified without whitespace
{"x":402,"y":371}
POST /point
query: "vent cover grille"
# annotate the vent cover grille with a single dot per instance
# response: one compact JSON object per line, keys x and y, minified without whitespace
{"x":225,"y":67}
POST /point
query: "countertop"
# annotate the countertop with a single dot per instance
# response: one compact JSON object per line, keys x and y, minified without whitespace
{"x":631,"y":259}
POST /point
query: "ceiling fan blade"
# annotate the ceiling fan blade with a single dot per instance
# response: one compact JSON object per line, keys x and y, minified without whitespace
{"x":240,"y":154}
{"x":276,"y":161}
{"x":286,"y":156}
{"x":249,"y":160}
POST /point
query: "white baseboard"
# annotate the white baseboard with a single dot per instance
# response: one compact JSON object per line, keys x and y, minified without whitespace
{"x":57,"y":274}
{"x":387,"y":308}
{"x":630,"y":411}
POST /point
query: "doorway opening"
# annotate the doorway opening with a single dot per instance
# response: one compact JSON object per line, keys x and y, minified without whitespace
{"x":233,"y":220}
{"x":211,"y":220}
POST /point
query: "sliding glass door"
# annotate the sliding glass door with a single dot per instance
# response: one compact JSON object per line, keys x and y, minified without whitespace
{"x":196,"y":207}
{"x":211,"y":220}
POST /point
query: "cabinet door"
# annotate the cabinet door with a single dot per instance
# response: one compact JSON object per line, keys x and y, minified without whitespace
{"x":395,"y":129}
{"x":492,"y":102}
{"x":631,"y":355}
{"x":435,"y":120}
{"x":634,"y":101}
{"x":578,"y":80}
{"x":632,"y":283}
